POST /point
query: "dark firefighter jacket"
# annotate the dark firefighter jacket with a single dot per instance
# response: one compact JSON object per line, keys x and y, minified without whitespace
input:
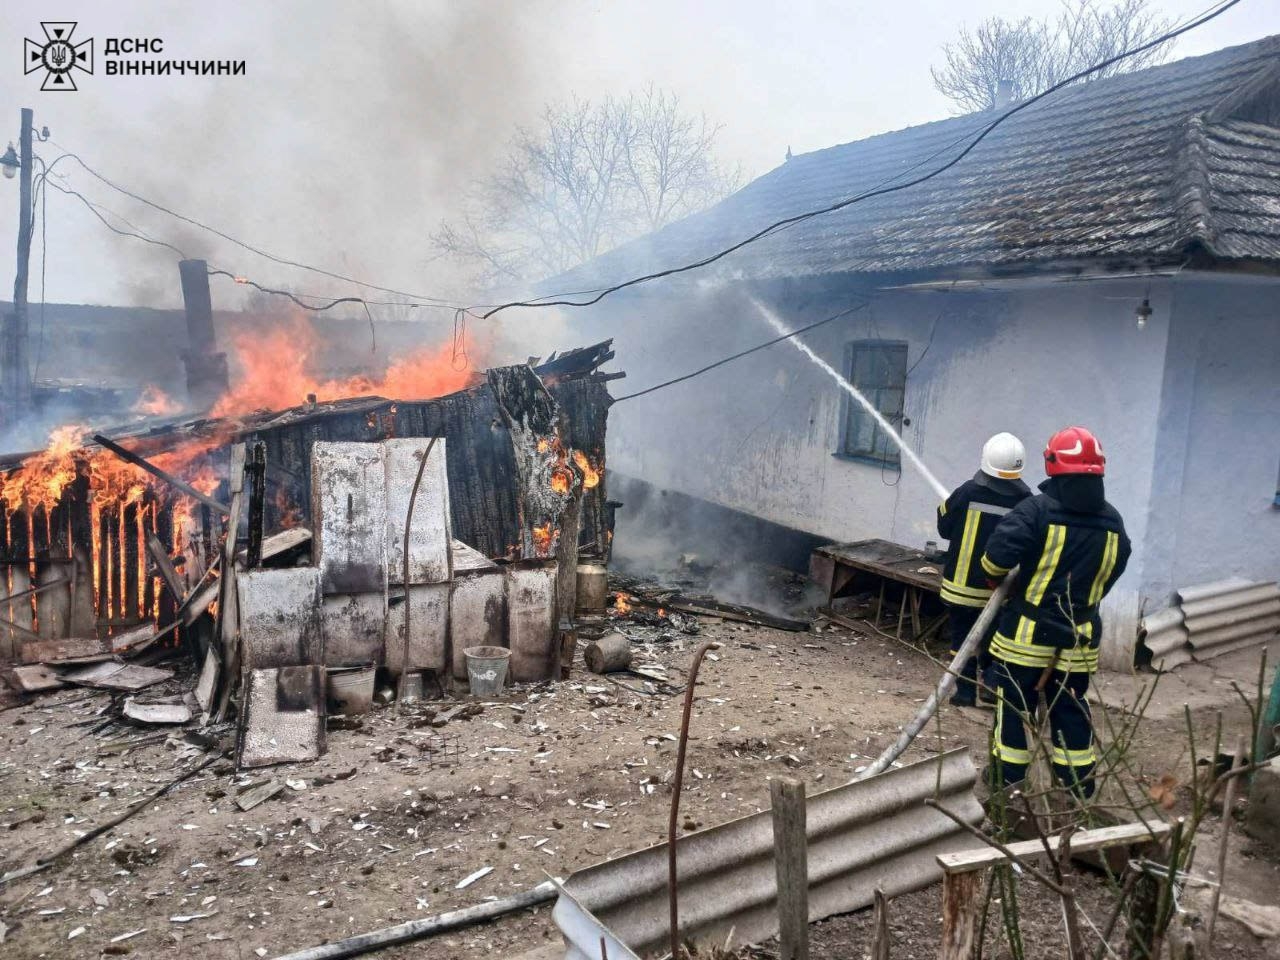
{"x":1069,"y":558}
{"x":966,"y":519}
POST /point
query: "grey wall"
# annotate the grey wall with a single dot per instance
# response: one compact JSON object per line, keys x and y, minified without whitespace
{"x":1213,"y":513}
{"x":758,"y":435}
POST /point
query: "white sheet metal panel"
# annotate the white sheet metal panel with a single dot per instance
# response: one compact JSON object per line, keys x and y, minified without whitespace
{"x":430,"y":535}
{"x":531,"y":620}
{"x":349,"y":513}
{"x":284,"y":716}
{"x":429,"y":622}
{"x":872,"y":833}
{"x":477,"y":612}
{"x":280,"y":617}
{"x":353,"y":626}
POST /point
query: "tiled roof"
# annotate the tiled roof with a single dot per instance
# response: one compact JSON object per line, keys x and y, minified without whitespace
{"x":1139,"y":167}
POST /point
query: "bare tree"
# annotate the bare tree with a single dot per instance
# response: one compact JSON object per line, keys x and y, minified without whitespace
{"x":589,"y":177}
{"x":1033,"y":55}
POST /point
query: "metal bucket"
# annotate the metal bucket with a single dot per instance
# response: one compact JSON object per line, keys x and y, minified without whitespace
{"x":351,"y":690}
{"x":487,"y":669}
{"x":593,"y":587}
{"x":412,"y":687}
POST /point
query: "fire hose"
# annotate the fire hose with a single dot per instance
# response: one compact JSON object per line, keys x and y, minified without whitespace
{"x":948,"y":682}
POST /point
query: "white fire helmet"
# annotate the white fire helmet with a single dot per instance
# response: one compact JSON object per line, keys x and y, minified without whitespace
{"x":1003,"y":456}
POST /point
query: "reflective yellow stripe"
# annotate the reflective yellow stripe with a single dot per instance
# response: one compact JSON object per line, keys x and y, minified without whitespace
{"x":942,"y":509}
{"x":993,"y":569}
{"x":961,"y":600}
{"x":965,"y":559}
{"x":1075,"y":758}
{"x":1024,"y":654}
{"x":961,"y":588}
{"x":998,"y":748}
{"x":1053,"y":542}
{"x":1104,"y":569}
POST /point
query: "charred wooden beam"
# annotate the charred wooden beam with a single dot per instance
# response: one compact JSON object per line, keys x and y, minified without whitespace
{"x":257,"y":471}
{"x":131,"y":457}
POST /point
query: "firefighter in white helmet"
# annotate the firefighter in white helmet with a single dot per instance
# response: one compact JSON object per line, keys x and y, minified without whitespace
{"x":966,"y":520}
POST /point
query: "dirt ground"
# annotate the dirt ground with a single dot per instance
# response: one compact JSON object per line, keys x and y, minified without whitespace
{"x":388,"y":824}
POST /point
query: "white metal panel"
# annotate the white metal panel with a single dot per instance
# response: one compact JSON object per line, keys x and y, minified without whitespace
{"x":349,"y":513}
{"x":477,"y":613}
{"x":353,"y":626}
{"x":429,"y":623}
{"x":531,"y":620}
{"x":280,"y":617}
{"x":430,"y":535}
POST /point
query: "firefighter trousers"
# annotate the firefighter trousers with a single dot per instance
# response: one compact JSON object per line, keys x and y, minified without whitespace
{"x":1070,"y":726}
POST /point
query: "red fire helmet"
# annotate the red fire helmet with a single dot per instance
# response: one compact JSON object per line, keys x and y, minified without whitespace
{"x":1074,"y":450}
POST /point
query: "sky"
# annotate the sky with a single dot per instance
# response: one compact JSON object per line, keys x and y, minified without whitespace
{"x":357,"y":127}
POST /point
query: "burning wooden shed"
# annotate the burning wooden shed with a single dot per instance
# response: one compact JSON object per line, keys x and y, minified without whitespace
{"x":100,"y":555}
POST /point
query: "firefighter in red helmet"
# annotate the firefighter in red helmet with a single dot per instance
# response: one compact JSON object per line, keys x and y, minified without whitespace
{"x":1070,"y":547}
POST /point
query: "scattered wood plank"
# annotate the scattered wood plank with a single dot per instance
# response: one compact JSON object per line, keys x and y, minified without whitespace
{"x":228,"y":599}
{"x":160,"y":557}
{"x":36,"y":678}
{"x":52,"y":651}
{"x":1084,"y":841}
{"x":127,"y":677}
{"x":156,"y":714}
{"x":279,"y":543}
{"x":258,"y":793}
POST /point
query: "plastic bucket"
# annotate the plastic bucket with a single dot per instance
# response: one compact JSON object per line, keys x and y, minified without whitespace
{"x":486,"y":669}
{"x":351,"y":690}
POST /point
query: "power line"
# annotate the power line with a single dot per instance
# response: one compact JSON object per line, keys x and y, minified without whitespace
{"x":743,"y":353}
{"x":426,"y":300}
{"x":1214,"y":12}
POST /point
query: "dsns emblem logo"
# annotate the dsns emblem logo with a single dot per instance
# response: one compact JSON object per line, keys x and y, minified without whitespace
{"x":58,"y":56}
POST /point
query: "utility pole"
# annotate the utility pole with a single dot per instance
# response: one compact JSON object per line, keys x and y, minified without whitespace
{"x":15,"y":370}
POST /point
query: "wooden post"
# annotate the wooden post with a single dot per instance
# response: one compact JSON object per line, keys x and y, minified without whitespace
{"x":790,"y":858}
{"x":960,"y":909}
{"x":228,"y":599}
{"x":104,"y":568}
{"x":1228,"y":803}
{"x":82,"y":615}
{"x":257,"y":470}
{"x":880,"y":925}
{"x":129,"y":543}
{"x":20,"y":569}
{"x":9,"y":649}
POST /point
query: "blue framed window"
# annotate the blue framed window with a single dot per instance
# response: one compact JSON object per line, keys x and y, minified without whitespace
{"x":878,"y":368}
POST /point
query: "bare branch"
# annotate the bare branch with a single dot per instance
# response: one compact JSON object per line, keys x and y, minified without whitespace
{"x":1033,"y":55}
{"x":591,"y":176}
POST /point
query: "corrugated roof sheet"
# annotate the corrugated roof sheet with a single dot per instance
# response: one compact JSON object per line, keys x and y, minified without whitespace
{"x":1128,"y":168}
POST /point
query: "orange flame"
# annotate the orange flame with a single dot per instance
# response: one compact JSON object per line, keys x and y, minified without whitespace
{"x":154,"y":402}
{"x":544,"y":539}
{"x":590,"y":475}
{"x":275,"y":373}
{"x":621,"y":604}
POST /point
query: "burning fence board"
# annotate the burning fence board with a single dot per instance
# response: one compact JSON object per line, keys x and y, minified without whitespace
{"x":478,"y":606}
{"x":531,"y":620}
{"x":429,"y":535}
{"x":353,"y":625}
{"x":280,"y":617}
{"x":349,"y":512}
{"x":283,"y":718}
{"x":429,"y":624}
